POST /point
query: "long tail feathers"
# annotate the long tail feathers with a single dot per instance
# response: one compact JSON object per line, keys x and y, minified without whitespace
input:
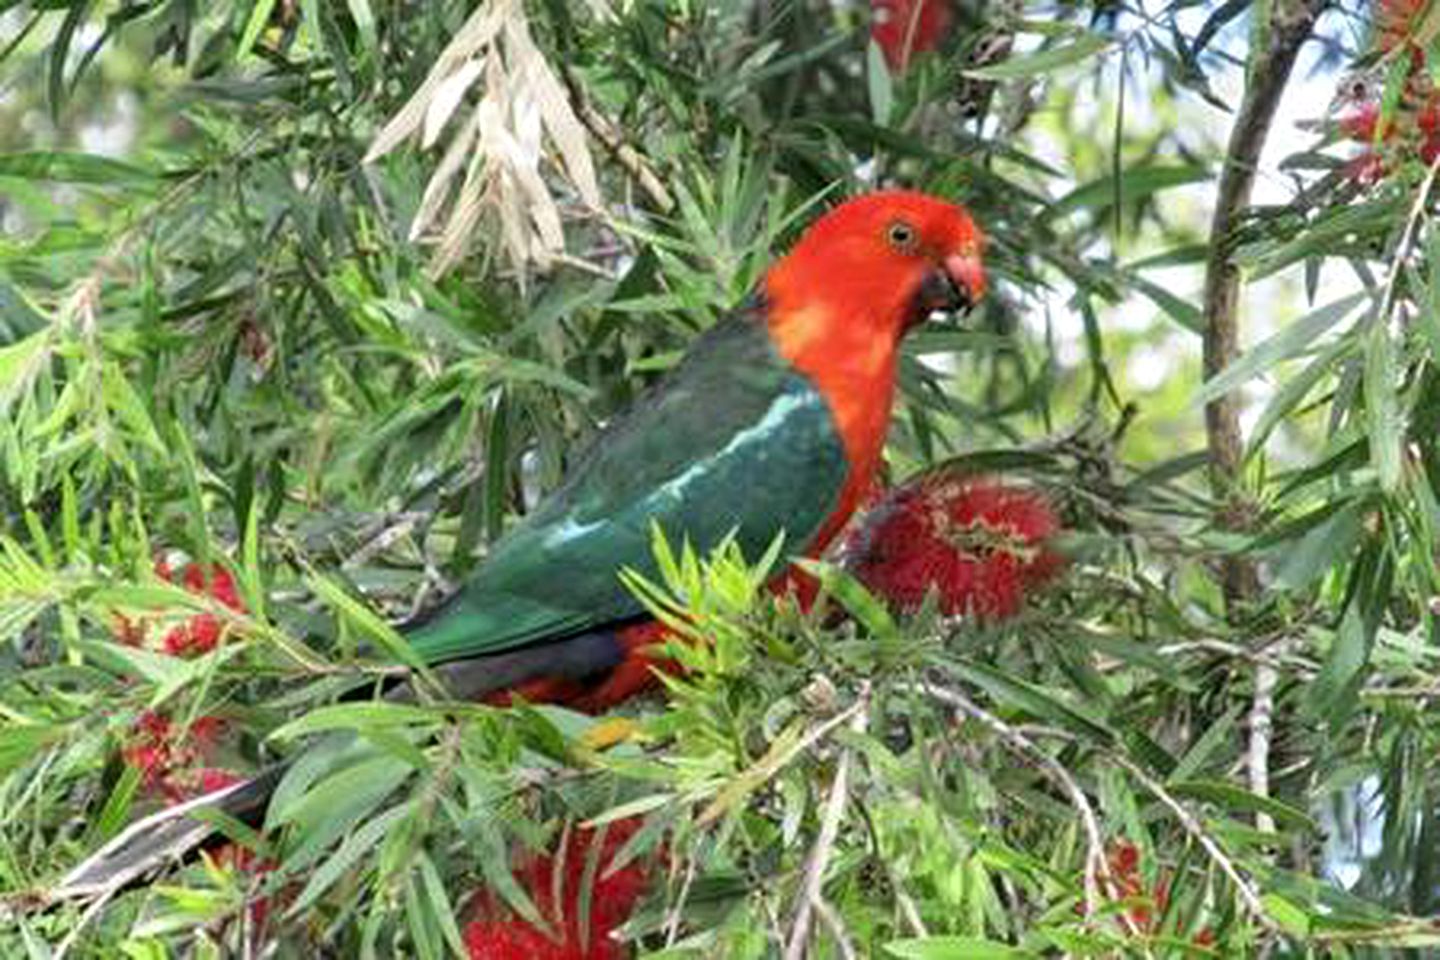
{"x":161,"y":838}
{"x":171,"y":834}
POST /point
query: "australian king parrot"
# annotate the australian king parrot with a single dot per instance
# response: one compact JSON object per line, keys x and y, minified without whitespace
{"x":773,"y":422}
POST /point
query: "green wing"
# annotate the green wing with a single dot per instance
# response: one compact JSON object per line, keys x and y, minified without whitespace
{"x":733,"y":439}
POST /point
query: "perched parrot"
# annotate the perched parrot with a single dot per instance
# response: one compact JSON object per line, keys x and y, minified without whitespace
{"x":774,"y":421}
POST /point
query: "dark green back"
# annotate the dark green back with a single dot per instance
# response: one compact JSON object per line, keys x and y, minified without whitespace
{"x":732,"y":439}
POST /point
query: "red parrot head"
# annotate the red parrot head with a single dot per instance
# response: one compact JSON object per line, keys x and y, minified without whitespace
{"x":885,"y":261}
{"x":837,"y":305}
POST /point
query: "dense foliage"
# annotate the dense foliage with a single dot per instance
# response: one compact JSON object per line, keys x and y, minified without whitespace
{"x":358,"y":278}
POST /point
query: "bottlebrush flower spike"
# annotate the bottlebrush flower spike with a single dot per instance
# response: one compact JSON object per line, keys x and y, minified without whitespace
{"x":904,"y":28}
{"x":1395,"y":21}
{"x":1146,"y":904}
{"x":195,"y":635}
{"x":167,"y":757}
{"x":496,"y":935}
{"x":981,"y":545}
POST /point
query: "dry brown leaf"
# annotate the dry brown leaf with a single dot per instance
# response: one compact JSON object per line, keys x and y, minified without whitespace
{"x":521,"y":122}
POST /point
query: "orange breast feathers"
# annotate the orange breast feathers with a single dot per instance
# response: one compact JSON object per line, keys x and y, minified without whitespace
{"x":856,"y":375}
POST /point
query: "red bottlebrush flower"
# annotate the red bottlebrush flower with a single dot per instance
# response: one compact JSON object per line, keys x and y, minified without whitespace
{"x":981,"y":545}
{"x":153,"y":726}
{"x":1394,"y":22}
{"x":209,"y":779}
{"x":903,"y":28}
{"x":213,"y":581}
{"x":1428,"y":119}
{"x":151,"y":750}
{"x":242,"y":860}
{"x":1366,"y":169}
{"x":202,"y":632}
{"x":1124,"y":863}
{"x":493,"y":935}
{"x":512,"y":940}
{"x":1361,"y":124}
{"x":206,"y":730}
{"x":166,"y":757}
{"x":152,"y":761}
{"x":198,"y":635}
{"x":1146,"y":905}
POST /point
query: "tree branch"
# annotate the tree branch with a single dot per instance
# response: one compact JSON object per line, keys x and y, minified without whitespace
{"x":811,"y":899}
{"x":1269,"y":71}
{"x":1270,"y":68}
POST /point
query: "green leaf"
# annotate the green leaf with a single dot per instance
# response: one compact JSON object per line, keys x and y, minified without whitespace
{"x":340,"y":863}
{"x":1215,"y":736}
{"x":438,"y":899}
{"x":64,"y":166}
{"x":366,"y":621}
{"x":1034,"y":699}
{"x":20,"y":742}
{"x":1321,"y":548}
{"x":334,"y":805}
{"x":1045,"y":61}
{"x":851,"y":594}
{"x":1135,"y":183}
{"x":882,"y":94}
{"x":1293,"y":339}
{"x":1235,"y":799}
{"x":1285,"y":401}
{"x":1384,"y":428}
{"x":354,"y":716}
{"x":1292,"y":919}
{"x":954,"y":948}
{"x":1180,"y":310}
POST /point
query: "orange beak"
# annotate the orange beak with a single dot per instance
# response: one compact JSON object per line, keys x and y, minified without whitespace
{"x":968,"y":276}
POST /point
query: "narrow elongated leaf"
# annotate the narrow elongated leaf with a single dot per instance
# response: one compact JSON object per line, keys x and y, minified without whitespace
{"x":1135,"y":183}
{"x":1238,"y":800}
{"x":1045,"y":61}
{"x":1034,"y":699}
{"x":1288,"y":342}
{"x":1382,"y":414}
{"x":954,"y":948}
{"x":62,"y":166}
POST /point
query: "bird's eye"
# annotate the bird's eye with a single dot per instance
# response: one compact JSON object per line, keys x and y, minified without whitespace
{"x":901,"y":236}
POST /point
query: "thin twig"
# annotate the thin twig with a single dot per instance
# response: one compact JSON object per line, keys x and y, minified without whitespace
{"x":1407,"y":240}
{"x":1261,"y":721}
{"x":1291,"y":23}
{"x":820,"y":853}
{"x":1197,"y":832}
{"x":836,"y":926}
{"x":86,"y":918}
{"x":626,"y":155}
{"x":677,"y":911}
{"x":1095,"y":865}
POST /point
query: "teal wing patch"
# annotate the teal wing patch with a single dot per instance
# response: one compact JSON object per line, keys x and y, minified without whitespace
{"x":732,"y":440}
